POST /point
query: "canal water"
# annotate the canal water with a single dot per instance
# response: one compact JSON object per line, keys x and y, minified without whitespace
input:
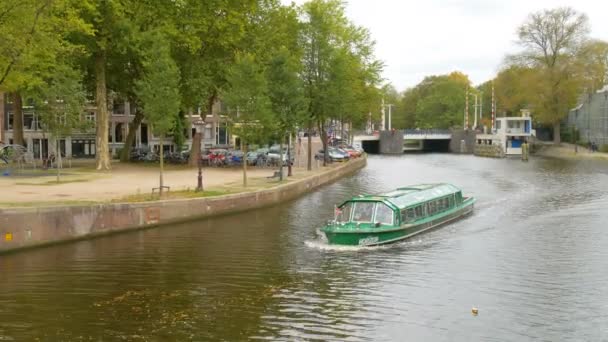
{"x":533,"y":259}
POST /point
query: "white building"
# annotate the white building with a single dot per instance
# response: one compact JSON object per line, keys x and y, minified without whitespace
{"x":509,"y":133}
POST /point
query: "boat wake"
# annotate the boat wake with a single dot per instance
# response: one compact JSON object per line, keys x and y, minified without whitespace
{"x":320,"y":243}
{"x":324,"y":246}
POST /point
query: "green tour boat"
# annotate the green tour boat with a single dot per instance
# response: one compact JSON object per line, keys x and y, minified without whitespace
{"x":369,"y":220}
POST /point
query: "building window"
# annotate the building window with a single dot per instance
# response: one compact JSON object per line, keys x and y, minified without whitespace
{"x":118,"y":107}
{"x":90,"y":117}
{"x":119,"y":131}
{"x":221,"y":134}
{"x":28,"y":120}
{"x":83,"y":148}
{"x":498,"y":124}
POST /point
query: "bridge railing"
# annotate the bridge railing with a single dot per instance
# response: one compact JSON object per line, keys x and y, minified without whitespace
{"x":409,"y":131}
{"x":431,"y":131}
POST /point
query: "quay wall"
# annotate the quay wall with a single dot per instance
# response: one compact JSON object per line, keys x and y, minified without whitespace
{"x":29,"y":227}
{"x":463,"y":141}
{"x":492,"y":151}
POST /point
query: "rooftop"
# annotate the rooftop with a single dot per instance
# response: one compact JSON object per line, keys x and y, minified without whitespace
{"x":407,"y":196}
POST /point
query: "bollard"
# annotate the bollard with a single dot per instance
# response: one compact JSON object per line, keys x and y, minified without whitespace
{"x":524,"y":152}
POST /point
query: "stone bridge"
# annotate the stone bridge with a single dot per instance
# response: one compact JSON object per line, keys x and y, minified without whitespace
{"x":399,"y":141}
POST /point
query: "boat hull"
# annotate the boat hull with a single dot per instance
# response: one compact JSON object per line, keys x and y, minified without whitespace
{"x":385,"y":236}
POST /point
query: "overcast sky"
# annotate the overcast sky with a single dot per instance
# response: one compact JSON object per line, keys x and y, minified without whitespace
{"x":428,"y":37}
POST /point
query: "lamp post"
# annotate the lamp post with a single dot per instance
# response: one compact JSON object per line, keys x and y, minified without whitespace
{"x":199,"y":157}
{"x":289,"y":171}
{"x":390,"y":116}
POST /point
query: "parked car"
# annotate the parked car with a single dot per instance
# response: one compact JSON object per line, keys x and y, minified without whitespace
{"x":274,"y":154}
{"x":337,"y":151}
{"x":333,"y":154}
{"x":351,"y":151}
{"x":358,"y":147}
{"x":252,"y":157}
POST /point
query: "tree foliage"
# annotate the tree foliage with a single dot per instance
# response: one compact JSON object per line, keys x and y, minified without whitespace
{"x":436,"y":102}
{"x":340,"y":72}
{"x":250,"y":107}
{"x":158,"y":91}
{"x":551,"y":40}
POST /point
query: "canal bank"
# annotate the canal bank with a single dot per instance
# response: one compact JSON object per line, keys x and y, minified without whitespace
{"x":29,"y":227}
{"x":568,"y":151}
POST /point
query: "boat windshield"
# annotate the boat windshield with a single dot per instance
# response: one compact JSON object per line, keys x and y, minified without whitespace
{"x":363,"y":211}
{"x":344,"y":212}
{"x":384,"y":214}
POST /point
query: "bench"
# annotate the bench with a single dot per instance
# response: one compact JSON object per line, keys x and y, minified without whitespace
{"x":164,"y":187}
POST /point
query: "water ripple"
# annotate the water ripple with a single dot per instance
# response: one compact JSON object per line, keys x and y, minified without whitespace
{"x":532,"y":258}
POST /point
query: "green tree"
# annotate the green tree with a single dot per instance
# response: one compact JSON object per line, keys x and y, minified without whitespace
{"x":551,"y":40}
{"x":592,"y":65}
{"x":437,"y":101}
{"x":286,"y":95}
{"x":109,"y":20}
{"x":33,"y":38}
{"x":250,"y":107}
{"x":159,"y":93}
{"x":208,"y":36}
{"x":335,"y":51}
{"x":514,"y":89}
{"x":59,"y":105}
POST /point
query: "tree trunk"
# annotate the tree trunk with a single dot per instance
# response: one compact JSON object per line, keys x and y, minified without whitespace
{"x":133,"y":127}
{"x":162,"y":160}
{"x":197,"y":138}
{"x":556,"y":133}
{"x":102,"y":153}
{"x":17,"y":119}
{"x":281,"y":157}
{"x":244,"y":149}
{"x":59,"y":163}
{"x":309,"y":147}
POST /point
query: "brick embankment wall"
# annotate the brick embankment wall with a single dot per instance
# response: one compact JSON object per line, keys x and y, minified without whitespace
{"x":28,"y":227}
{"x":493,"y":151}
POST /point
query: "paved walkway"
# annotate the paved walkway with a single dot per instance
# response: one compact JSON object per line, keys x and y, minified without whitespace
{"x":84,"y":184}
{"x":566,"y":150}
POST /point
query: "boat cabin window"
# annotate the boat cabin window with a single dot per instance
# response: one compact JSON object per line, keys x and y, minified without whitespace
{"x":344,"y":212}
{"x":440,"y":206}
{"x":363,"y":211}
{"x":408,"y":215}
{"x":384,"y":214}
{"x":419,"y":210}
{"x":432,"y":207}
{"x":411,"y":214}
